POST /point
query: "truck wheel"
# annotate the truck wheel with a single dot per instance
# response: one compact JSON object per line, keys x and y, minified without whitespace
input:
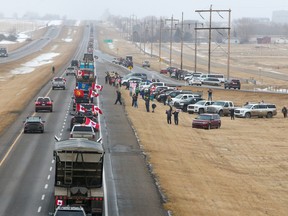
{"x":221,"y":113}
{"x":247,"y":115}
{"x":269,"y":115}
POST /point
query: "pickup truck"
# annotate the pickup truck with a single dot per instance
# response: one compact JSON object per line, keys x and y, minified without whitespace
{"x":221,"y":107}
{"x":82,"y":131}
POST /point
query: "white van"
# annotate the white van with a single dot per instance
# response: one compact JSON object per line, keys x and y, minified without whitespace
{"x":220,"y":77}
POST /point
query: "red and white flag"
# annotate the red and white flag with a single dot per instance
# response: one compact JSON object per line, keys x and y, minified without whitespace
{"x":80,"y":73}
{"x":94,"y":94}
{"x":97,"y":109}
{"x":80,"y":108}
{"x":97,"y":87}
{"x":89,"y":122}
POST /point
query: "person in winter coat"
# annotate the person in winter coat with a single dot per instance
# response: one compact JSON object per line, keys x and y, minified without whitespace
{"x":169,"y":115}
{"x":176,"y":114}
{"x":147,"y":103}
{"x":118,"y":97}
{"x":135,"y":100}
{"x":284,"y":111}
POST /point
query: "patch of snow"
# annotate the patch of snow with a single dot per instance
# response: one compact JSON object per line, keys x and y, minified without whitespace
{"x":67,"y":40}
{"x":30,"y":66}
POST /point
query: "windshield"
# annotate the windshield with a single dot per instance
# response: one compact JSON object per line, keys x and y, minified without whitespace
{"x":204,"y":117}
{"x":219,"y":103}
{"x":179,"y":96}
{"x":200,"y":103}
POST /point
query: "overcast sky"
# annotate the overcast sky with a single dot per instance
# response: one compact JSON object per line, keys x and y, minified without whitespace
{"x":94,"y":9}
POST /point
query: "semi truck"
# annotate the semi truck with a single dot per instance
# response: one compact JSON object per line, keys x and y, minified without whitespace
{"x":79,"y":174}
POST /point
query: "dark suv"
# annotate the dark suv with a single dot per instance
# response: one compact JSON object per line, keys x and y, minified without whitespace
{"x":233,"y":83}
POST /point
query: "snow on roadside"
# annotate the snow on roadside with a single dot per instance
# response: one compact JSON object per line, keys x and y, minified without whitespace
{"x":30,"y":66}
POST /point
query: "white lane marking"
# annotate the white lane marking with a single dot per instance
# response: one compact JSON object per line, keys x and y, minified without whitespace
{"x":39,"y":209}
{"x":46,"y":186}
{"x":52,"y":161}
{"x":51,"y":169}
{"x":48,"y":177}
{"x":43,"y":197}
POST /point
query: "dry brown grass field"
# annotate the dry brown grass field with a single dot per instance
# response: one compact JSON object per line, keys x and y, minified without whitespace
{"x":239,"y":169}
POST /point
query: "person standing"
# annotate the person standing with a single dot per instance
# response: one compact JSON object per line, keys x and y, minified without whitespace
{"x":232,"y":114}
{"x":53,"y":69}
{"x":209,"y":94}
{"x":176,"y":119}
{"x":284,"y":111}
{"x":147,"y":103}
{"x":118,"y":97}
{"x":134,"y":100}
{"x":169,"y":115}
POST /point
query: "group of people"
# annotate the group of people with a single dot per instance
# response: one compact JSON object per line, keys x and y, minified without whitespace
{"x":169,"y":114}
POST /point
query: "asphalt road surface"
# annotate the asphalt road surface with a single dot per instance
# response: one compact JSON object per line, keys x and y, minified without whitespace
{"x":27,"y":167}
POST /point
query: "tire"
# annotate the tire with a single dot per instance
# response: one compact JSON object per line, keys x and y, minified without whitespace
{"x":247,"y":115}
{"x":51,"y":110}
{"x":42,"y":131}
{"x":25,"y":131}
{"x":53,"y":88}
{"x":36,"y":110}
{"x":220,"y":113}
{"x":219,"y":125}
{"x":209,"y":127}
{"x":201,"y":111}
{"x":269,"y":115}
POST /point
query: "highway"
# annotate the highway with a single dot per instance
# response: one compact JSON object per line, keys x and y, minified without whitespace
{"x":34,"y":46}
{"x":27,"y":166}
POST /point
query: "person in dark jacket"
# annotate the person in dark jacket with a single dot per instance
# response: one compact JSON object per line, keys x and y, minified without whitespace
{"x":118,"y":99}
{"x":169,"y":115}
{"x":284,"y":111}
{"x":232,"y":114}
{"x":147,"y":103}
{"x":176,"y":119}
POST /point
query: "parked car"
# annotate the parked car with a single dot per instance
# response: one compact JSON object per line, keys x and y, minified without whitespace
{"x":199,"y":107}
{"x":33,"y":124}
{"x":183,"y":97}
{"x":207,"y":121}
{"x":256,"y":110}
{"x":163,"y":71}
{"x":131,"y":79}
{"x":162,"y":96}
{"x":233,"y":83}
{"x":146,"y":63}
{"x":183,"y":104}
{"x":211,"y":81}
{"x":195,"y":81}
{"x":43,"y":103}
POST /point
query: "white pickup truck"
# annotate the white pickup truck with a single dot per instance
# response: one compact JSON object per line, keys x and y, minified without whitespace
{"x":82,"y":131}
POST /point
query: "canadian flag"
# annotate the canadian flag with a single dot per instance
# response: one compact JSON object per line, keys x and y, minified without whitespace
{"x":97,"y":109}
{"x":80,"y":108}
{"x":89,"y":122}
{"x":80,"y":73}
{"x":97,"y":87}
{"x":93,"y":93}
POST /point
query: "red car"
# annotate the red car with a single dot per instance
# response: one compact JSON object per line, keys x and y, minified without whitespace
{"x":163,"y":71}
{"x":207,"y":121}
{"x":44,"y":103}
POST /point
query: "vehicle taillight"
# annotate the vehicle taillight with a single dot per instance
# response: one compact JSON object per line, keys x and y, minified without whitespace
{"x":49,"y":103}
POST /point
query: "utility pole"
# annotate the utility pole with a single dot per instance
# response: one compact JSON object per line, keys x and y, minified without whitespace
{"x":215,"y":28}
{"x":171,"y":28}
{"x":160,"y":39}
{"x":181,"y":55}
{"x":195,"y":45}
{"x":152,"y":37}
